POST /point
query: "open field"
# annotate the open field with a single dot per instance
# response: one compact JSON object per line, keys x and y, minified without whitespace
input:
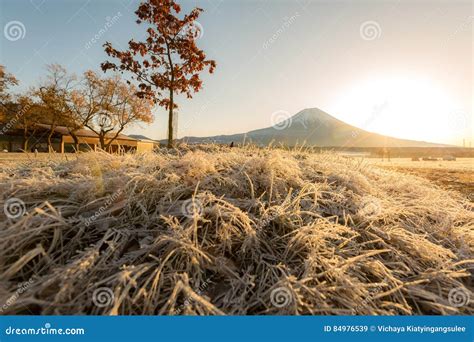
{"x":452,"y":175}
{"x":461,"y":164}
{"x":214,"y":230}
{"x":15,"y":157}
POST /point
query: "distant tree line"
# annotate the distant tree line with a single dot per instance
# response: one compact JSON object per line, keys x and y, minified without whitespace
{"x":105,"y":105}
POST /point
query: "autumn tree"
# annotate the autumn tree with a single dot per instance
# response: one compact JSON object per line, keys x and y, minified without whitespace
{"x":168,"y":60}
{"x":25,"y":114}
{"x":17,"y":111}
{"x":108,"y":106}
{"x":54,"y":94}
{"x":7,"y":80}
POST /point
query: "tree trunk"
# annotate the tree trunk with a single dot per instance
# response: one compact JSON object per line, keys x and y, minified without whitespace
{"x":76,"y":141}
{"x":50,"y":145}
{"x":102,"y":141}
{"x":25,"y":145}
{"x":171,"y":87}
{"x":170,"y":121}
{"x":113,"y":138}
{"x":25,"y":140}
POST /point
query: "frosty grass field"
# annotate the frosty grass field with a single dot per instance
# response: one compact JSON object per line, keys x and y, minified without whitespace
{"x":214,"y":230}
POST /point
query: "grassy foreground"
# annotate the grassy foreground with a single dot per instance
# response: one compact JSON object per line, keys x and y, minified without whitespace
{"x":230,"y":231}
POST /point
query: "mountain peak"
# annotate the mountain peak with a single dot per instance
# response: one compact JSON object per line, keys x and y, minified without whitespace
{"x":315,"y":127}
{"x":311,"y":116}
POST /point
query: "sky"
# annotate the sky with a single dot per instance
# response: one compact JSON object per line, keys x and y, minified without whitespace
{"x":401,"y":68}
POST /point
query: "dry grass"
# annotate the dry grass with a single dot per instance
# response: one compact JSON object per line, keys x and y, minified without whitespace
{"x":218,"y":231}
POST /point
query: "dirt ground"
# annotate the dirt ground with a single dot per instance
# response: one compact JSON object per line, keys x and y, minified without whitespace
{"x":19,"y":157}
{"x":452,"y":175}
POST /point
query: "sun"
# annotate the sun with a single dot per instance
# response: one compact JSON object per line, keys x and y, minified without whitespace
{"x":407,"y":108}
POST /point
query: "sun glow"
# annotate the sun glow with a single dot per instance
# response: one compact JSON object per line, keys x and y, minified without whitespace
{"x":404,"y":108}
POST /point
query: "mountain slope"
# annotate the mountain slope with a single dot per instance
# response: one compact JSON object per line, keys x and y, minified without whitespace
{"x":313,"y":127}
{"x":140,"y":137}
